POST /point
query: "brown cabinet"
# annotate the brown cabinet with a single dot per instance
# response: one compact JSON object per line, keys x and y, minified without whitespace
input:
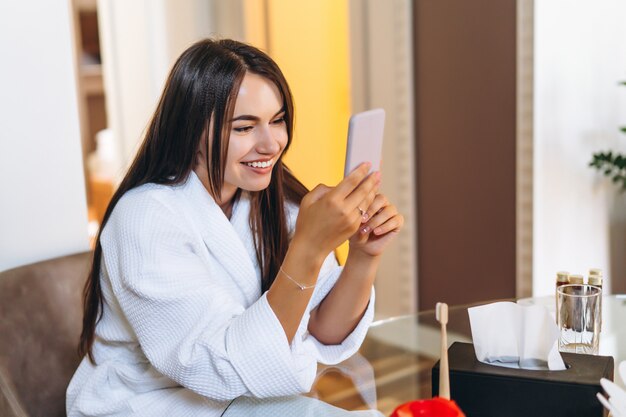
{"x":465,"y":124}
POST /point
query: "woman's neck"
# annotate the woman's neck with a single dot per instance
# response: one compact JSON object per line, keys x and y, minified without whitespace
{"x":227,"y":199}
{"x":227,"y":208}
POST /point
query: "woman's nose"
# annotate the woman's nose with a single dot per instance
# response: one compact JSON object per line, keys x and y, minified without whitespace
{"x":268,"y":142}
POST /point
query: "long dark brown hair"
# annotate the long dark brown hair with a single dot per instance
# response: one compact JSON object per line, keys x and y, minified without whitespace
{"x":203,"y":86}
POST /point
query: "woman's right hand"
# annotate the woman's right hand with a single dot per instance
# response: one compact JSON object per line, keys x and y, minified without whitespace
{"x":330,"y":215}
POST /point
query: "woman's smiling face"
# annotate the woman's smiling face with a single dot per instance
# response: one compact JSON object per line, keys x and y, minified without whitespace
{"x":257,"y":138}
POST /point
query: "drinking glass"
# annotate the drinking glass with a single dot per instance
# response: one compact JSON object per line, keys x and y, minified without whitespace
{"x":578,"y":313}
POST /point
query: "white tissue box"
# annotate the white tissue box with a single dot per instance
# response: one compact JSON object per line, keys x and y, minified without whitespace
{"x":483,"y":390}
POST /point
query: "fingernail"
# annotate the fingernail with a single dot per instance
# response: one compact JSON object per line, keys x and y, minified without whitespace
{"x":365,"y":229}
{"x":377,"y":175}
{"x":365,"y":216}
{"x":377,"y":231}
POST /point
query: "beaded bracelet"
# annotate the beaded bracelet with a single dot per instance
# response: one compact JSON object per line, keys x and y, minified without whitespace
{"x":302,"y":287}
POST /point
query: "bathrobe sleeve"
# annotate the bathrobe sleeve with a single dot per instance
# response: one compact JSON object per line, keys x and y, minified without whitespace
{"x":304,"y":345}
{"x":187,"y":323}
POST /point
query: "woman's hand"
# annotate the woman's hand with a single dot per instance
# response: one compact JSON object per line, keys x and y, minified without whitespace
{"x":383,"y":224}
{"x":330,"y":215}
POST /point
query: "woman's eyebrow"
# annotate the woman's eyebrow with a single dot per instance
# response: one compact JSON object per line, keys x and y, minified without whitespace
{"x":245,"y":117}
{"x":253,"y":118}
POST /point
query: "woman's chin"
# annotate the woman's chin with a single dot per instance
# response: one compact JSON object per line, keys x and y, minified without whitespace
{"x":256,"y":185}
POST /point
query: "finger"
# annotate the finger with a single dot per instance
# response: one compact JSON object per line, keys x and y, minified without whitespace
{"x":352,"y":181}
{"x":394,"y":224}
{"x":360,"y":193}
{"x":366,"y":205}
{"x":379,"y":202}
{"x":382,"y":216}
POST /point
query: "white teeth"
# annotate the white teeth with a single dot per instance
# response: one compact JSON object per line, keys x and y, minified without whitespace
{"x":259,"y":164}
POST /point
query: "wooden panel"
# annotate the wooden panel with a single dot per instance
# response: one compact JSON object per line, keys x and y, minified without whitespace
{"x":465,"y":131}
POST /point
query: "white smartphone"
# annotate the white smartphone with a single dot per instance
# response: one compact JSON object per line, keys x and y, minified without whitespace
{"x":365,"y":140}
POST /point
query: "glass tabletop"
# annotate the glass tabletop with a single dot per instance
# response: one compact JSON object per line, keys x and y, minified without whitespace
{"x":394,"y":365}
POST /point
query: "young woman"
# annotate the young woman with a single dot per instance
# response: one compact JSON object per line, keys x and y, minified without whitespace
{"x":213,"y":275}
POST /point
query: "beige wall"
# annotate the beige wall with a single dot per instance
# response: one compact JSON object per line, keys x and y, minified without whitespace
{"x":580,"y":217}
{"x":43,"y":211}
{"x":381,"y":48}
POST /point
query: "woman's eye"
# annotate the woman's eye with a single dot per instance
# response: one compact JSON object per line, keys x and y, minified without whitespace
{"x":242,"y":129}
{"x":279,"y":121}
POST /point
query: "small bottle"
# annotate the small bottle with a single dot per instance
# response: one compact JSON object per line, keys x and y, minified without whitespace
{"x":576,"y":279}
{"x":595,"y":279}
{"x":573,"y":320}
{"x":561,"y":279}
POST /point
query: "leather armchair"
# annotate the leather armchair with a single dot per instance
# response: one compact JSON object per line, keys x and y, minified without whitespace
{"x":40,"y":323}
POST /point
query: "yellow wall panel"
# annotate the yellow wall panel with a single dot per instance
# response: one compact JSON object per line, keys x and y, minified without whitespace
{"x":309,"y":41}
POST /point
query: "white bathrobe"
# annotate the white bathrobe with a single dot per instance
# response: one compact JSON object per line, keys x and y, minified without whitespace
{"x":185,"y":328}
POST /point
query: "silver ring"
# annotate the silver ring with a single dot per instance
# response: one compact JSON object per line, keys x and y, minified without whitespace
{"x":361,"y":211}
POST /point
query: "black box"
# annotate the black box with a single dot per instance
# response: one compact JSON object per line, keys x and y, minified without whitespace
{"x":483,"y":390}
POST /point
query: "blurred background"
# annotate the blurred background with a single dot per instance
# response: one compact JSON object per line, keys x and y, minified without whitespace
{"x":494,"y":109}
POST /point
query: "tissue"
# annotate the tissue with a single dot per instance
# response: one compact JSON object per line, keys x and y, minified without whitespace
{"x":515,"y":336}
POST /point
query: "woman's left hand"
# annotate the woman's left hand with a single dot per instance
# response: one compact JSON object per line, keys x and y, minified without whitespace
{"x":382,"y":225}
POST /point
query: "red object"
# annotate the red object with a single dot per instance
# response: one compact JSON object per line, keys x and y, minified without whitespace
{"x":437,"y":407}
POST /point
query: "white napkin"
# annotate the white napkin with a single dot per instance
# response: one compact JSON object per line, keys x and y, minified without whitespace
{"x":616,"y":401}
{"x":515,"y":336}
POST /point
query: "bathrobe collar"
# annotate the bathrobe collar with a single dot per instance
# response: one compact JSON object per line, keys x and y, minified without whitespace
{"x":229,"y":241}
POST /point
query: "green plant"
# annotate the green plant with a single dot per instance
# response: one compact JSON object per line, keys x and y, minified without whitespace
{"x":612,"y":164}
